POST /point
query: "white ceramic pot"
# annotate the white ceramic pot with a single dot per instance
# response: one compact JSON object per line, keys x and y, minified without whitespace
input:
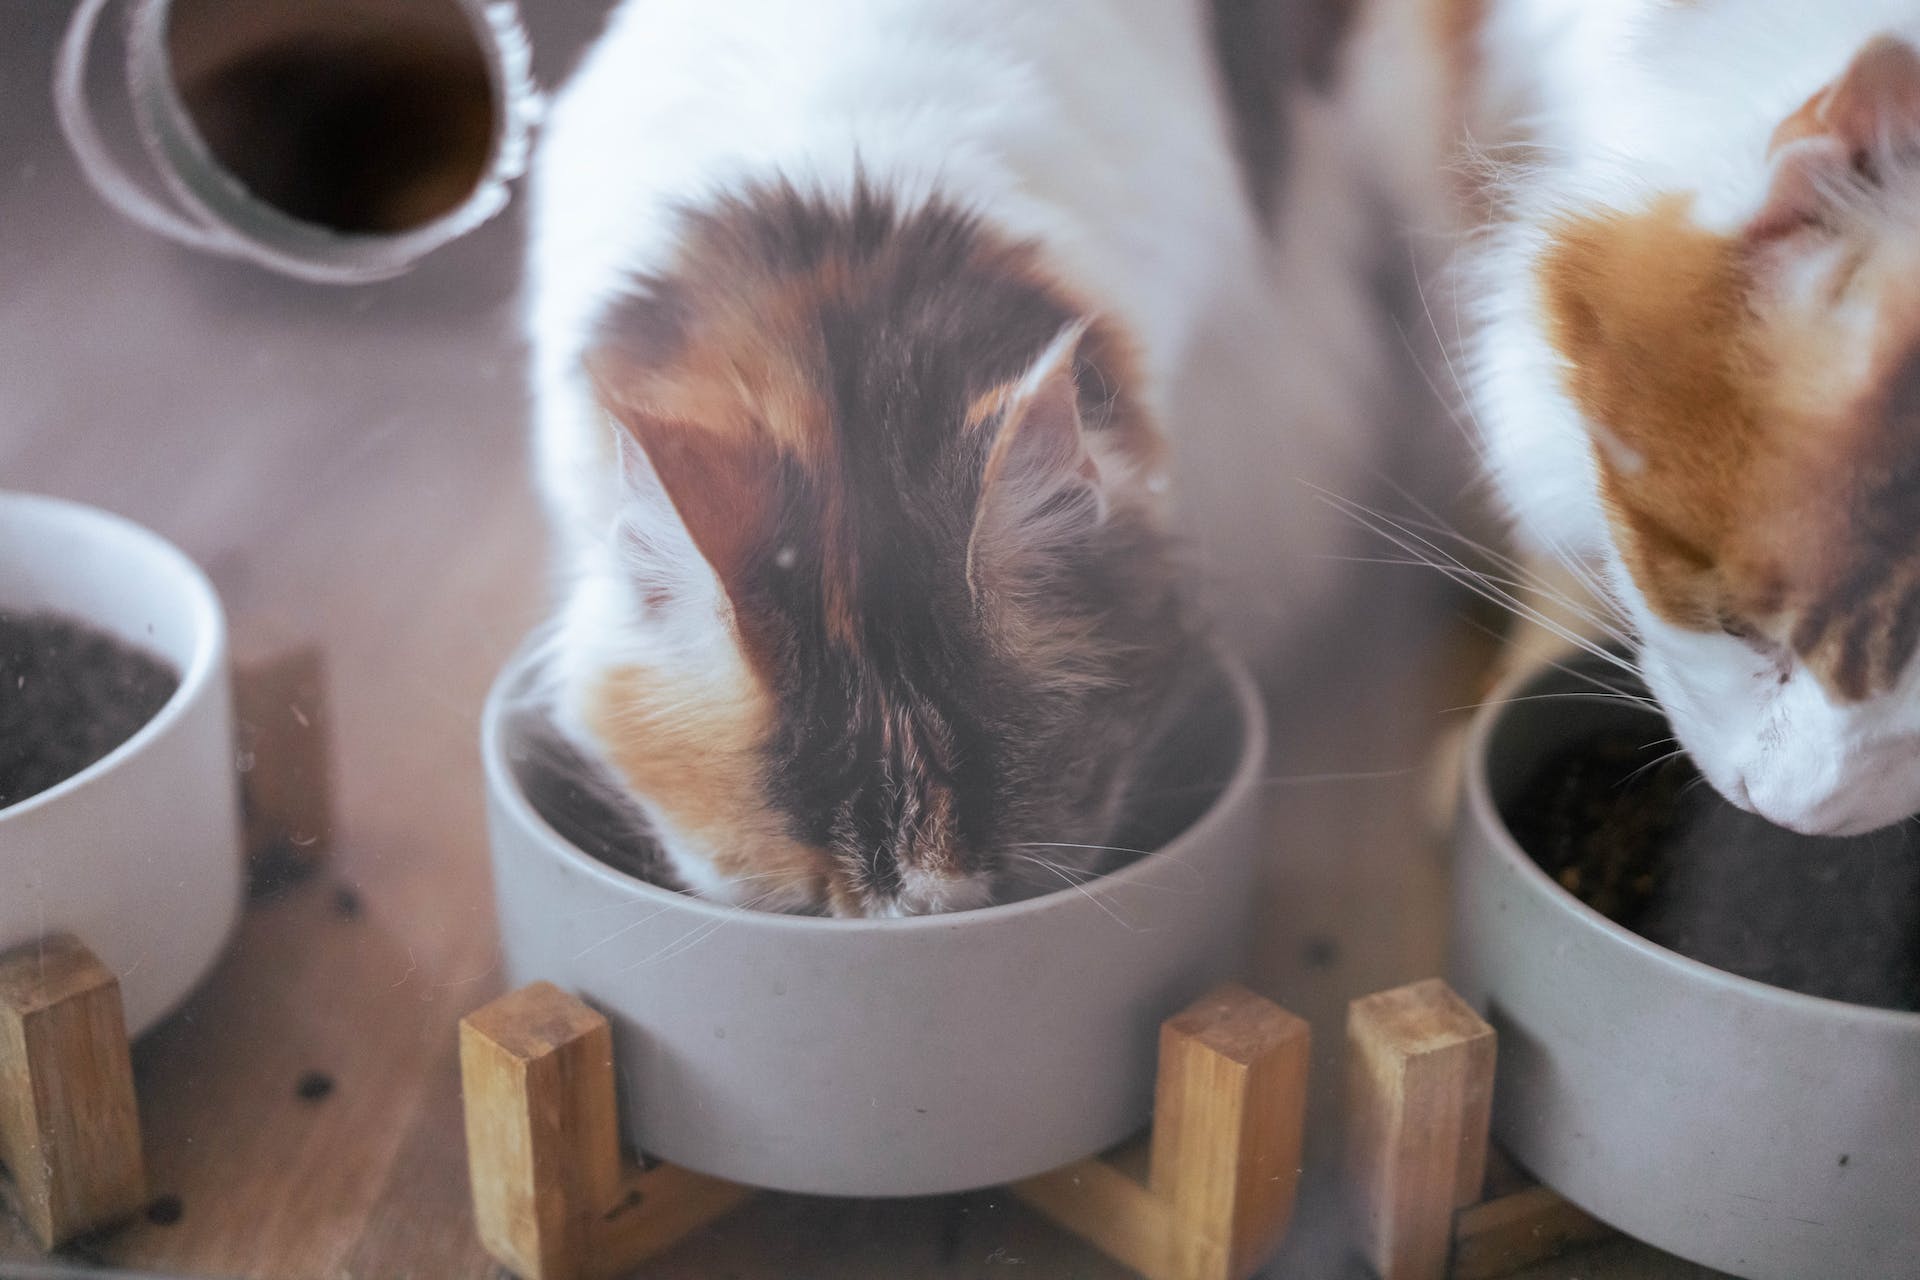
{"x":887,"y":1057}
{"x":1756,"y":1130}
{"x":139,"y":853}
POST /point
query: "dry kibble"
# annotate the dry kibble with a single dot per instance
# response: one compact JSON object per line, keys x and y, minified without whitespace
{"x":1633,"y":831}
{"x":69,"y":694}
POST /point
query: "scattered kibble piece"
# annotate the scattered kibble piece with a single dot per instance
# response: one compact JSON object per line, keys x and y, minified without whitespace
{"x":313,"y":1086}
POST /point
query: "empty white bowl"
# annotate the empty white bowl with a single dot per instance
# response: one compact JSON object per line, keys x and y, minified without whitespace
{"x":1756,"y":1130}
{"x":888,"y":1057}
{"x":139,"y":853}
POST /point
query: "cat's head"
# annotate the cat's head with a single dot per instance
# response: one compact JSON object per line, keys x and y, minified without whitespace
{"x":1751,"y":397}
{"x":888,"y":614}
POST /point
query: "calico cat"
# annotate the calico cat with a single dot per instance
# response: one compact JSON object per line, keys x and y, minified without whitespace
{"x":1691,"y":277}
{"x":864,"y":340}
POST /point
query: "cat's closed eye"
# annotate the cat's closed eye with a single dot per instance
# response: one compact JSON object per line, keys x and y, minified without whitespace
{"x":1758,"y":641}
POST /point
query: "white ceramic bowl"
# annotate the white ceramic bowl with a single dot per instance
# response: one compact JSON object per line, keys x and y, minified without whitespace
{"x":887,"y":1057}
{"x":139,"y":853}
{"x":1753,"y":1129}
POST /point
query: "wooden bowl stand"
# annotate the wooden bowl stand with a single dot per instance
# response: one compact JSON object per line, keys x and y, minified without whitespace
{"x":555,"y":1200}
{"x":1205,"y":1195}
{"x":1430,"y":1201}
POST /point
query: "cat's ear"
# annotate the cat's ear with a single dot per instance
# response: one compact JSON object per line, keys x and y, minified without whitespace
{"x":1842,"y":136}
{"x":723,"y":488}
{"x":1040,"y":484}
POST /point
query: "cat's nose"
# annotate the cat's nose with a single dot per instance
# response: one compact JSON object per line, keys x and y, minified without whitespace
{"x":928,"y":892}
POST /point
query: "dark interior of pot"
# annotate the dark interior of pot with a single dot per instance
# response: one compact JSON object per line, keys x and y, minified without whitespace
{"x":1591,"y":784}
{"x":366,"y":118}
{"x":1188,"y":768}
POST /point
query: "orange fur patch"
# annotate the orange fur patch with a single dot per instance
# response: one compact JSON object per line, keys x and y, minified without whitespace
{"x":699,"y":763}
{"x":1650,"y":313}
{"x":1755,"y":476}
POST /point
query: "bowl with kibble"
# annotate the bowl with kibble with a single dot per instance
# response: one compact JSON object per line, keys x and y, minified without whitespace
{"x":884,"y":1057}
{"x":119,"y":814}
{"x":1709,"y":1027}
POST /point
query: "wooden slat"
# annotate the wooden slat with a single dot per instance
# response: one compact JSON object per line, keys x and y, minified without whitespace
{"x":1229,"y":1113}
{"x":536,"y":1069}
{"x":656,"y":1209}
{"x":69,"y":1124}
{"x":1498,"y":1237}
{"x":1419,"y":1094}
{"x":1116,"y":1213}
{"x":551,"y":1198}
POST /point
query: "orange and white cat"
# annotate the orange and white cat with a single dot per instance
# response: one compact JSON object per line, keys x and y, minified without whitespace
{"x":1691,"y":275}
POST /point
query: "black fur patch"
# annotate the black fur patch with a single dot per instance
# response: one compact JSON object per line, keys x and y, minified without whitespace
{"x":911,"y":731}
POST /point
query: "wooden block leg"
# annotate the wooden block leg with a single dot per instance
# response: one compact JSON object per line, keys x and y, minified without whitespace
{"x":1419,"y":1097}
{"x":552,"y":1198}
{"x":69,"y":1124}
{"x":1229,"y":1111}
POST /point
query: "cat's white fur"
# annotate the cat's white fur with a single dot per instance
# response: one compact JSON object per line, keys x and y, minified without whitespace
{"x":1094,"y":127}
{"x":1623,"y":100}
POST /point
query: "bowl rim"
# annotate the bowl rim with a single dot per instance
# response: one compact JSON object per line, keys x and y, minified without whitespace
{"x":202,"y":602}
{"x":1239,"y":789}
{"x":1551,"y":895}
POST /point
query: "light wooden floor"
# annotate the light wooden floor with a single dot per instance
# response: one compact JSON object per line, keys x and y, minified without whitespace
{"x":349,"y":467}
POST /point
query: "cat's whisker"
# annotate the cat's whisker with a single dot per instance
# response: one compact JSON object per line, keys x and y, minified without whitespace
{"x":1580,"y":695}
{"x":1598,"y":609}
{"x":1652,"y":764}
{"x":1596,"y":606}
{"x":1692,"y":785}
{"x":700,"y":933}
{"x":620,"y":932}
{"x":1645,"y":700}
{"x":640,"y":921}
{"x":1192,"y":878}
{"x":1598,"y":623}
{"x":1475,"y":436}
{"x":1063,"y":844}
{"x":1598,"y":595}
{"x":1637,"y":691}
{"x":1080,"y":887}
{"x":1081,"y":874}
{"x":1415,"y":545}
{"x":1349,"y":775}
{"x":1524,"y":576}
{"x":1283,"y":780}
{"x":1457,"y":410}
